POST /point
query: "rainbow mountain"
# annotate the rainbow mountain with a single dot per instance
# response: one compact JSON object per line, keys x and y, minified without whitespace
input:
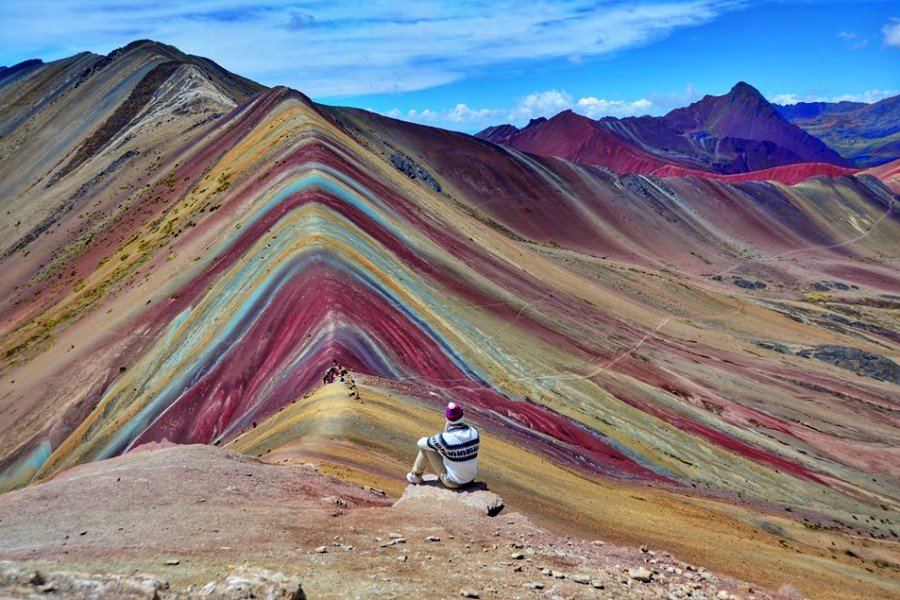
{"x":185,"y":253}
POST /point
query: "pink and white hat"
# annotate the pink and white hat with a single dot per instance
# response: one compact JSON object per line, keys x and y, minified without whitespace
{"x":453,"y":412}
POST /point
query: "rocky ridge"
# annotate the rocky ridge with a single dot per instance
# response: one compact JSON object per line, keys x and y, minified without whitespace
{"x":146,"y":526}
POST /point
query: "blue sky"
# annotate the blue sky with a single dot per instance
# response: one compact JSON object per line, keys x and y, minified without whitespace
{"x":470,"y":63}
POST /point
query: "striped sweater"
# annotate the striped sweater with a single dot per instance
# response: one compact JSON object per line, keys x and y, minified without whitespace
{"x":458,"y":445}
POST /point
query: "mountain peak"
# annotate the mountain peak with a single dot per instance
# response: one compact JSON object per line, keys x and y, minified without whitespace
{"x":497,"y":133}
{"x":146,"y":45}
{"x":746,"y":95}
{"x":742,"y":88}
{"x":567,"y":115}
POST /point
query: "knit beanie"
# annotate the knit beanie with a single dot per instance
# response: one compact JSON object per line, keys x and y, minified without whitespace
{"x":453,"y":412}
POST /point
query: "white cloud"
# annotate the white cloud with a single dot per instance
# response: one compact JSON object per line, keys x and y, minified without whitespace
{"x":378,"y":46}
{"x":785,"y":99}
{"x":868,"y":96}
{"x":460,"y":114}
{"x":546,"y":103}
{"x":540,"y":104}
{"x":891,"y":33}
{"x":597,"y":107}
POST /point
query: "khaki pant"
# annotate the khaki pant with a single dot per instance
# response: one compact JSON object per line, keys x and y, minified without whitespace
{"x":436,"y":462}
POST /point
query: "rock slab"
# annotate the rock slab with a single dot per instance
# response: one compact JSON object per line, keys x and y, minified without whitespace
{"x":475,"y":495}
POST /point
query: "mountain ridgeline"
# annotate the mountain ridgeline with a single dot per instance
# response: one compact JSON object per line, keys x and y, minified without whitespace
{"x":734,"y":134}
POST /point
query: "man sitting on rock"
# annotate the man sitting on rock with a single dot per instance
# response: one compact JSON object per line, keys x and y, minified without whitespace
{"x":451,"y":454}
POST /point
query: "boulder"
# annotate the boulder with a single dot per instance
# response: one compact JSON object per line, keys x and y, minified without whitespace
{"x":254,"y":583}
{"x":641,"y":574}
{"x":16,"y":581}
{"x":413,"y":170}
{"x":856,"y":360}
{"x":475,"y":495}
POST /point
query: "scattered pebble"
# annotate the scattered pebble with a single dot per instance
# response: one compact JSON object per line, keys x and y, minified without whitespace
{"x":534,"y":585}
{"x":469,"y":594}
{"x":321,"y":549}
{"x":434,"y":538}
{"x":581,"y":579}
{"x":172,"y":562}
{"x":558,"y":574}
{"x":597,"y":585}
{"x":517,"y":556}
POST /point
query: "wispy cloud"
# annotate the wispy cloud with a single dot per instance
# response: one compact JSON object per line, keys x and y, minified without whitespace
{"x":891,"y":32}
{"x":853,"y":40}
{"x":330,"y":49}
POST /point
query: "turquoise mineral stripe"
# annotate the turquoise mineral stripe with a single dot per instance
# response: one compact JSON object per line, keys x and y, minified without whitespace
{"x":326,"y":179}
{"x":249,"y":290}
{"x":21,"y":472}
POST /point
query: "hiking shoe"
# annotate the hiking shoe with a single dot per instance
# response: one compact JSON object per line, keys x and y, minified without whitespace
{"x":414,"y":479}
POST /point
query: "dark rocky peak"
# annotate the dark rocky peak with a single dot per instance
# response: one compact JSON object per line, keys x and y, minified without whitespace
{"x":497,"y":133}
{"x":724,"y":115}
{"x":742,"y":89}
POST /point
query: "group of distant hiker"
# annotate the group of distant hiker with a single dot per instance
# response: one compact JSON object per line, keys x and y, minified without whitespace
{"x":338,"y":372}
{"x":452,"y":454}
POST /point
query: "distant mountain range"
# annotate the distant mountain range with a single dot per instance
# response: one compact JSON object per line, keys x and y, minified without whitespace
{"x":867,"y":135}
{"x":737,"y":133}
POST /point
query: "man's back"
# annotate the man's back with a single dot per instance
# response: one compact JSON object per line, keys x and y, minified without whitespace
{"x":458,"y":445}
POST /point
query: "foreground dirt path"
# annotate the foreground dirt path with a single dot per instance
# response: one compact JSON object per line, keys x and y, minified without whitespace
{"x":173,"y":519}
